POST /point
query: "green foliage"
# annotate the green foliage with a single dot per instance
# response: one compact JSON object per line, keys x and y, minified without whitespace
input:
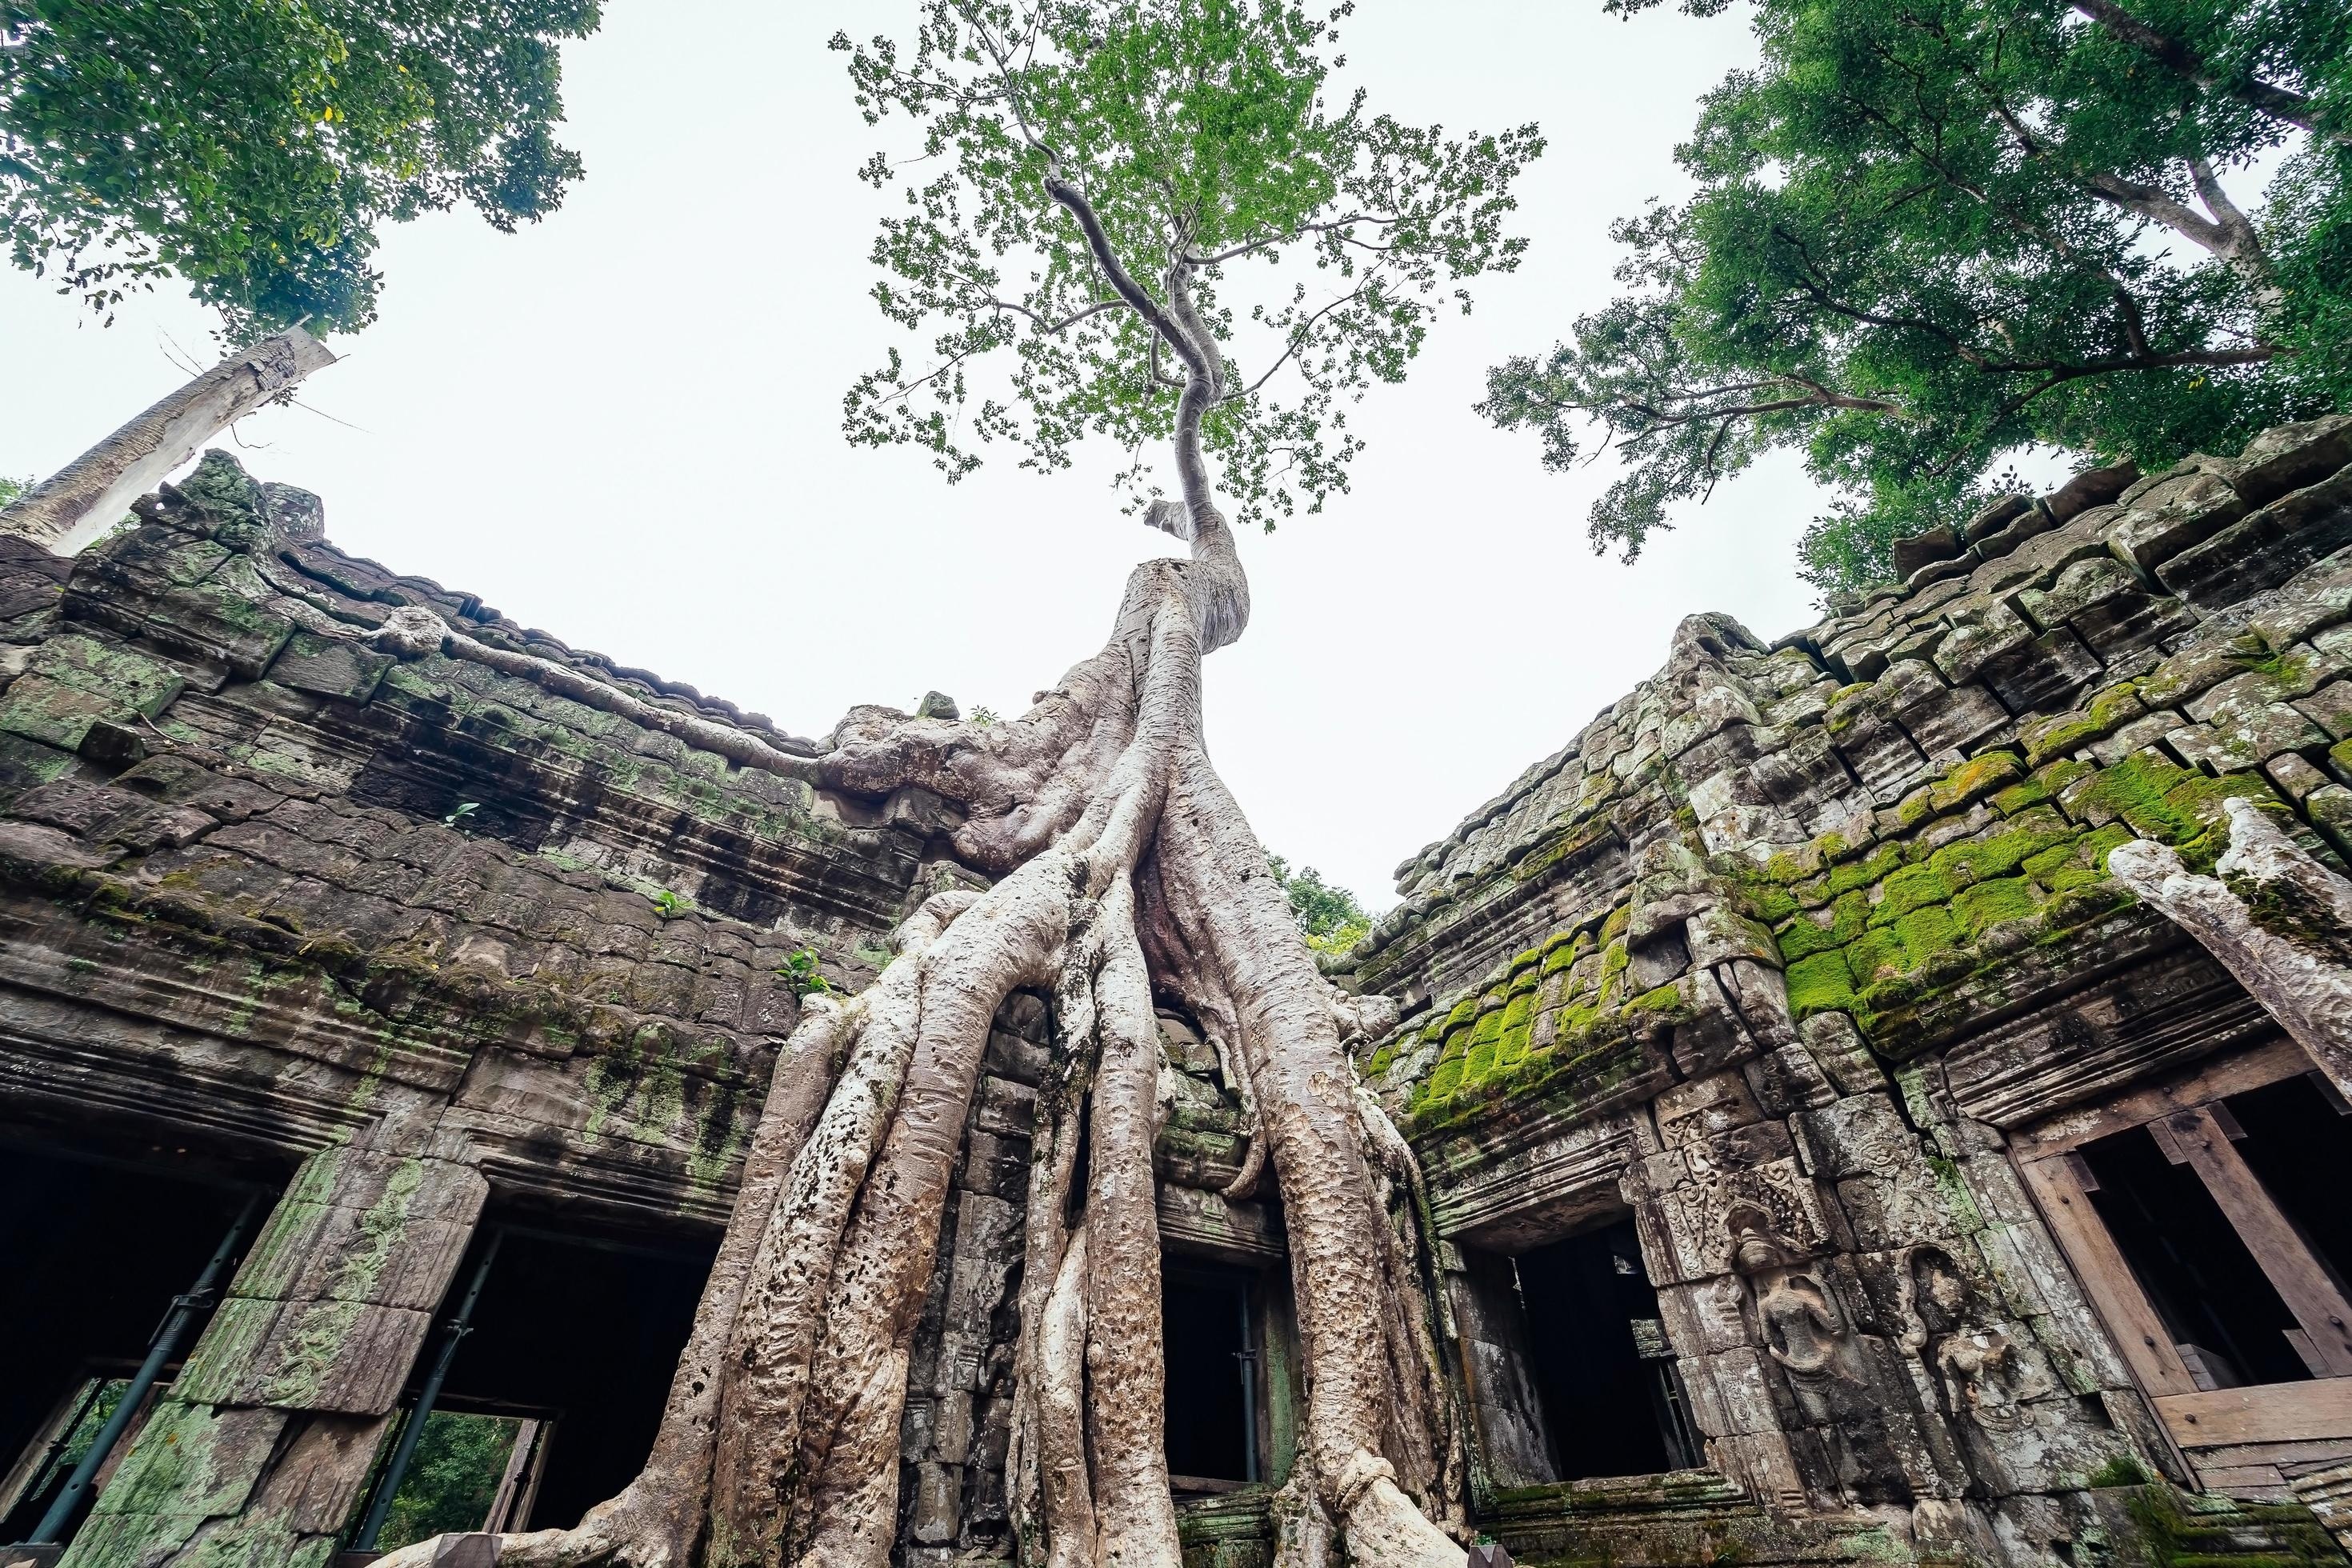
{"x":670,"y":905}
{"x":457,"y":818}
{"x":11,"y":489}
{"x":453,"y":1478}
{"x":799,"y":971}
{"x":1930,"y":235}
{"x":1328,"y":916}
{"x":252,"y":147}
{"x":1198,"y":132}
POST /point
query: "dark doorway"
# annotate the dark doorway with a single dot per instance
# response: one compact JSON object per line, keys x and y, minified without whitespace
{"x":95,"y":1255}
{"x":1600,"y":1357}
{"x":1213,"y":1391}
{"x":580,"y":1336}
{"x":2230,"y":1325}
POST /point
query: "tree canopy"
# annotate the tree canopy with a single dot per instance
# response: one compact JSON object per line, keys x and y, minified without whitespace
{"x":1328,"y":915}
{"x":1929,"y":236}
{"x":1090,"y":182}
{"x":253,"y":147}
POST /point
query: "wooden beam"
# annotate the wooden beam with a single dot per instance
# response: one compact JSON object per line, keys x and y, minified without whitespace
{"x":2107,"y":1278}
{"x":2285,"y":1256}
{"x":2266,"y":1412}
{"x":2266,"y":1064}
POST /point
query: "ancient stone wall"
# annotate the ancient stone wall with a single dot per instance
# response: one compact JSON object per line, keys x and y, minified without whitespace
{"x":407,"y":938}
{"x":1803,"y":960}
{"x":1802,"y":954}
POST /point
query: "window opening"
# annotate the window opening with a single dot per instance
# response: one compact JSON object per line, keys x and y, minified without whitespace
{"x":580,"y":1334}
{"x":2298,"y":1140}
{"x":2230,"y":1323}
{"x":114,"y":1269}
{"x":1213,"y":1368}
{"x":470,"y":1471}
{"x":1600,"y":1359}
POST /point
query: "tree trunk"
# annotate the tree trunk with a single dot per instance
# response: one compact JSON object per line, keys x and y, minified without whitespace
{"x":1127,"y":875}
{"x":93,"y":492}
{"x":2279,"y":921}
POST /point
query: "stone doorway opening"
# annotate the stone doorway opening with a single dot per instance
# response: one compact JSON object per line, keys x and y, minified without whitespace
{"x":1599,"y":1359}
{"x":1216,"y":1394}
{"x":1570,"y":1375}
{"x":99,"y":1252}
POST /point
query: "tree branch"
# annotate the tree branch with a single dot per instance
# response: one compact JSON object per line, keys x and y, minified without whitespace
{"x":1299,"y":335}
{"x":2278,"y":102}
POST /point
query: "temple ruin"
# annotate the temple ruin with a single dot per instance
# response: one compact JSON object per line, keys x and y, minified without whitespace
{"x":1828,"y":1155}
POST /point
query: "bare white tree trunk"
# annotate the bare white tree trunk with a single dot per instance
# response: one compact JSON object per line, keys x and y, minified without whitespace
{"x":93,"y":492}
{"x":2278,"y":921}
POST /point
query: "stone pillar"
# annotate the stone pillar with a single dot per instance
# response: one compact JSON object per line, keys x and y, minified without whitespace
{"x":256,"y":1454}
{"x":2278,"y":921}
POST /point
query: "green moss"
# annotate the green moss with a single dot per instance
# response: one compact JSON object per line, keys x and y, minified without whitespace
{"x":1989,"y":903}
{"x":2288,"y":672}
{"x":1790,"y":867}
{"x":1972,"y":781}
{"x":1478,"y":1056}
{"x":1925,"y":933}
{"x":2181,"y":1531}
{"x":1663,"y":999}
{"x":1876,"y":951}
{"x":1912,"y":887}
{"x":1805,"y":935}
{"x":2021,"y":798}
{"x":1768,"y":902}
{"x":1821,"y":983}
{"x":2122,"y":1471}
{"x":1969,"y":860}
{"x":2135,"y":790}
{"x":1881,"y":863}
{"x":1562,"y":952}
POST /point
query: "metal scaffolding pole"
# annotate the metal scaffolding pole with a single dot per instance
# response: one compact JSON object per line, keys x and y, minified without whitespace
{"x":185,"y":1310}
{"x":459,"y":1326}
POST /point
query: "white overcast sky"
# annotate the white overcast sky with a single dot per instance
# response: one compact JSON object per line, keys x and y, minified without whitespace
{"x":622,"y":426}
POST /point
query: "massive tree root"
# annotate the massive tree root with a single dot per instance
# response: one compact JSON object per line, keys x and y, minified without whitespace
{"x":1128,"y":882}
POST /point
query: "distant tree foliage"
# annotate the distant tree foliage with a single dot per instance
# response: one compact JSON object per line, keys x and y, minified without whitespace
{"x":1929,"y":235}
{"x":452,"y":1479}
{"x":253,"y":147}
{"x":1328,"y":915}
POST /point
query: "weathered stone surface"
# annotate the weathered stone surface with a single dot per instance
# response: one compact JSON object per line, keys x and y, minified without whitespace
{"x":1919,"y":813}
{"x":1783,"y":956}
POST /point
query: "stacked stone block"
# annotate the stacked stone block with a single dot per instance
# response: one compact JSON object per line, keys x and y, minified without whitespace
{"x":957,"y":1423}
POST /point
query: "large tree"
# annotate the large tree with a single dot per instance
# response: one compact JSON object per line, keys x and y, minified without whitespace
{"x":253,"y":147}
{"x":1101,"y":184}
{"x":1930,"y":235}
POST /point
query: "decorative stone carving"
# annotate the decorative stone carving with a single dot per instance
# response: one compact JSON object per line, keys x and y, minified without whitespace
{"x":1984,"y":1378}
{"x":1803,"y":1329}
